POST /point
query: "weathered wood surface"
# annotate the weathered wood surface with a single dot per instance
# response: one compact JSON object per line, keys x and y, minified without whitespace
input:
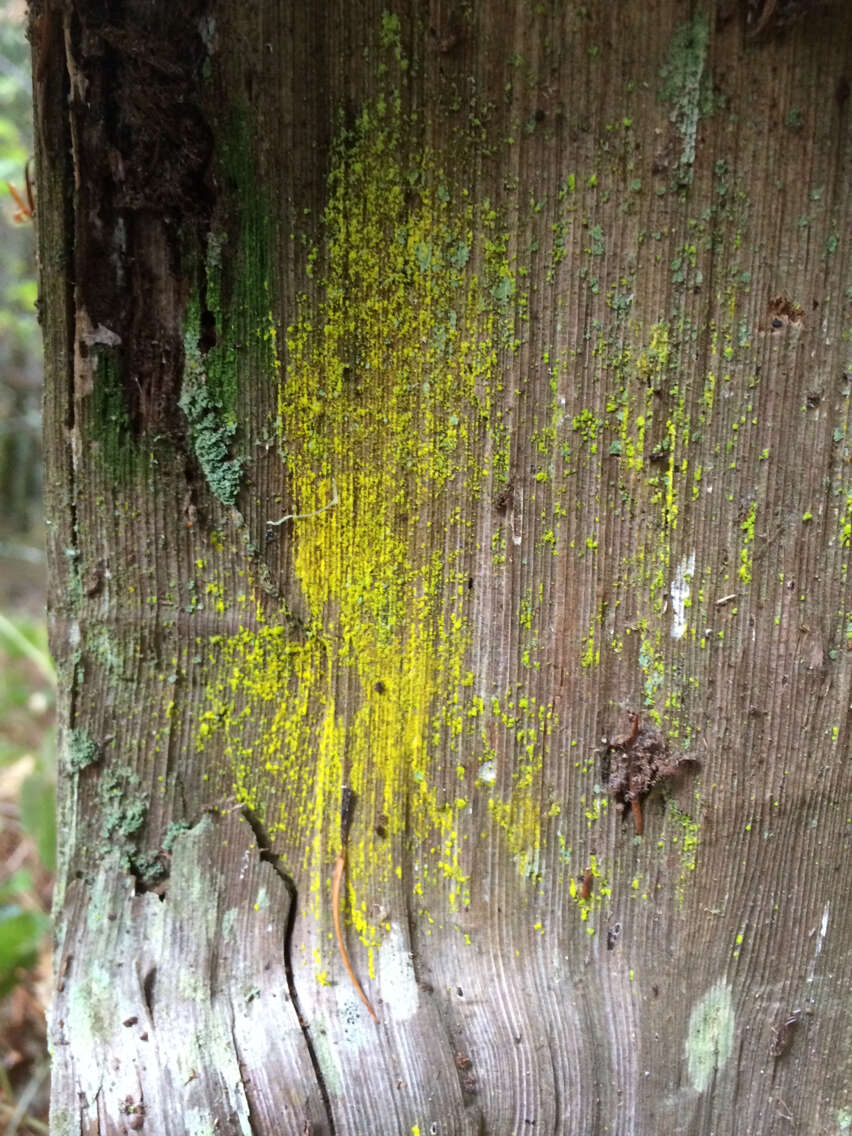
{"x":536,"y":317}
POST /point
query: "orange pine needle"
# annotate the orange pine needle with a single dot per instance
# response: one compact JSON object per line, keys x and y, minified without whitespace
{"x":336,"y":882}
{"x":588,"y":884}
{"x":639,"y":824}
{"x":24,"y":213}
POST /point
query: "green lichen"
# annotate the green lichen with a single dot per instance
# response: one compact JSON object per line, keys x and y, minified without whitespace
{"x":650,"y":414}
{"x":710,"y":1036}
{"x":390,"y":400}
{"x":81,"y":750}
{"x":210,"y":431}
{"x":91,"y":1006}
{"x":686,"y":86}
{"x":654,"y":359}
{"x":385,"y":399}
{"x":123,"y":809}
{"x":746,"y":552}
{"x":102,"y":645}
{"x":685,"y":838}
{"x":175,"y":830}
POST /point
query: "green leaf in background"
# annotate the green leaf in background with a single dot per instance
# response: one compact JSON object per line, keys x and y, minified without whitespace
{"x":21,"y":933}
{"x":21,"y":930}
{"x":37,"y":805}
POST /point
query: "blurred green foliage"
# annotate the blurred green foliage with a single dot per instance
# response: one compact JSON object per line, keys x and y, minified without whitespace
{"x":27,"y":696}
{"x":20,"y":348}
{"x":21,"y":929}
{"x":17,"y":299}
{"x":26,"y":752}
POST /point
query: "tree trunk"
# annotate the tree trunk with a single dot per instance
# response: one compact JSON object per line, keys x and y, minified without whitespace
{"x":451,"y":407}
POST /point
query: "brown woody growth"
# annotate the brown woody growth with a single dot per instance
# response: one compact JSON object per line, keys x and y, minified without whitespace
{"x":639,"y":759}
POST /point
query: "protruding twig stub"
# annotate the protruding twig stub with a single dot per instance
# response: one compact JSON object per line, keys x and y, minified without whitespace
{"x":782,"y":1036}
{"x":638,"y":759}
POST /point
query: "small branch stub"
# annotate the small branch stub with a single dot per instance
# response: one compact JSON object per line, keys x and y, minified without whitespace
{"x":638,"y":760}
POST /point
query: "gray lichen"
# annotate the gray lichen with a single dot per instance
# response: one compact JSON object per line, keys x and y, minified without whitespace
{"x":210,"y":431}
{"x":686,"y":86}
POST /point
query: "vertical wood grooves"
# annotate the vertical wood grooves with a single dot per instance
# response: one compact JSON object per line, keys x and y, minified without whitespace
{"x":643,"y":409}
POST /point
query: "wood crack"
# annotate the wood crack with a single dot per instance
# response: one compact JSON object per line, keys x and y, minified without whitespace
{"x":274,"y":860}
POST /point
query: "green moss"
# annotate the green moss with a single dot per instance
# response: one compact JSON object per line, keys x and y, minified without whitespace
{"x":110,"y":427}
{"x":238,"y":293}
{"x":231,"y":316}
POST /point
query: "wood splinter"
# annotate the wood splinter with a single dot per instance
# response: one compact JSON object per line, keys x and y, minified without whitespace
{"x":636,"y":809}
{"x":347,"y":804}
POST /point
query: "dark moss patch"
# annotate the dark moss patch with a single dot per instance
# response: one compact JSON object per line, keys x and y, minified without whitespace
{"x":110,"y":425}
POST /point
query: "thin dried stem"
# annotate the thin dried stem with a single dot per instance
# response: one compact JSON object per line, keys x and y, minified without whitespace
{"x":336,"y":882}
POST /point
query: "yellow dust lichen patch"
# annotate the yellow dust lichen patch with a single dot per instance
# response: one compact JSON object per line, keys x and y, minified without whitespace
{"x":389,"y":420}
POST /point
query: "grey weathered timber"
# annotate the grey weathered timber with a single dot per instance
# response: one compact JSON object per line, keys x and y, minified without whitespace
{"x":450,"y":403}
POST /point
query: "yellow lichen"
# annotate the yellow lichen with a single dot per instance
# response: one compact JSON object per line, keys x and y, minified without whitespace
{"x":387,"y":421}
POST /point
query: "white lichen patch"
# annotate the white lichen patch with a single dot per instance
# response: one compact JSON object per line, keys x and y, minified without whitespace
{"x":400,"y":994}
{"x":710,"y":1035}
{"x":679,"y":592}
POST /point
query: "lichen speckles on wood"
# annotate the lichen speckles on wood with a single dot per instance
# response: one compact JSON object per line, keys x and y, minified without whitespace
{"x":81,"y":750}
